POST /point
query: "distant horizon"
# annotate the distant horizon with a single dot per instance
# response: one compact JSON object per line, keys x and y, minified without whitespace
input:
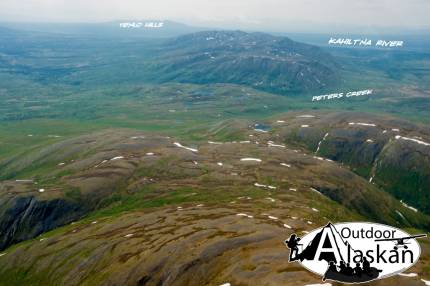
{"x":331,"y":16}
{"x":348,"y":30}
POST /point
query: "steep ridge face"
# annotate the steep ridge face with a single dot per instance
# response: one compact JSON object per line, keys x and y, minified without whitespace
{"x":59,"y":184}
{"x":266,"y":62}
{"x":392,"y":154}
{"x":24,"y":217}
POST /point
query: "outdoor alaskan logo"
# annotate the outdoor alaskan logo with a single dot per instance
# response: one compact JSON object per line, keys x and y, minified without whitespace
{"x":355,"y":252}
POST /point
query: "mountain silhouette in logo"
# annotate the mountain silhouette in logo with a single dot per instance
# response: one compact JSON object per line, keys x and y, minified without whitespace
{"x":338,"y":244}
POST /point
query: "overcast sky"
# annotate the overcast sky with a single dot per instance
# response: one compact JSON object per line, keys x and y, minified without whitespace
{"x":271,"y":14}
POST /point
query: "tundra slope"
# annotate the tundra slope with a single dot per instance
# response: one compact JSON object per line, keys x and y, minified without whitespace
{"x":155,"y":197}
{"x":189,"y":244}
{"x":101,"y":170}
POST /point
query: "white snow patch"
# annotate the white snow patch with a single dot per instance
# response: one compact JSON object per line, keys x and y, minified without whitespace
{"x":150,"y":154}
{"x":272,"y":217}
{"x":316,"y":191}
{"x":408,"y":274}
{"x":285,"y":165}
{"x":2,"y":254}
{"x":369,"y":141}
{"x":250,"y":159}
{"x":362,"y":124}
{"x":280,"y":121}
{"x":138,"y":137}
{"x":94,"y":222}
{"x":41,"y":190}
{"x":245,"y":142}
{"x":245,"y":215}
{"x":225,"y":284}
{"x":200,"y":205}
{"x":287,"y":226}
{"x":400,"y":214}
{"x":395,"y":130}
{"x":427,"y":282}
{"x":271,"y":144}
{"x":271,"y":199}
{"x":319,"y":143}
{"x":215,"y":143}
{"x":61,"y":164}
{"x":187,"y":148}
{"x":260,"y":185}
{"x":219,"y":164}
{"x":305,"y":126}
{"x":305,"y":116}
{"x":413,"y":140}
{"x":117,"y":158}
{"x":292,"y":189}
{"x":408,"y":206}
{"x":265,"y":186}
{"x":128,"y":235}
{"x":195,"y":163}
{"x":315,"y":210}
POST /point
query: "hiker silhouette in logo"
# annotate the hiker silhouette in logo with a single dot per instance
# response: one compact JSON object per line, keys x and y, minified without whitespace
{"x":366,"y":265}
{"x":345,"y":273}
{"x":357,"y":269}
{"x":348,"y":270}
{"x":293,"y":245}
{"x":342,"y":267}
{"x":332,"y":266}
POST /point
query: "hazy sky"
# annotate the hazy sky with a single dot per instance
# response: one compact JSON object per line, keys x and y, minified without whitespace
{"x":273,"y":14}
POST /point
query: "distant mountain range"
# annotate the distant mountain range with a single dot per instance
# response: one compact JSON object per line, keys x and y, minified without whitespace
{"x":263,"y":61}
{"x":266,"y":62}
{"x":127,"y":28}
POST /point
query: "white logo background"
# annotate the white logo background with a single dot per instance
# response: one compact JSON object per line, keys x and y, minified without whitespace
{"x":345,"y":233}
